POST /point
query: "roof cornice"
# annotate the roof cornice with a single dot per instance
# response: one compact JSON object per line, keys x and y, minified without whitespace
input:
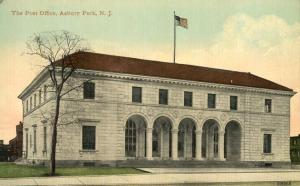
{"x":37,"y":80}
{"x":124,"y":76}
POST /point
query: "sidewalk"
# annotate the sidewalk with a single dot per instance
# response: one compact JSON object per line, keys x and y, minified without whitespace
{"x":185,"y":177}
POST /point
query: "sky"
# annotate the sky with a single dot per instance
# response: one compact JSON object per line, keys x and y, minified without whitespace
{"x":261,"y":37}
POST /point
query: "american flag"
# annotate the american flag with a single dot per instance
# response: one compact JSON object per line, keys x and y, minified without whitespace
{"x":181,"y":22}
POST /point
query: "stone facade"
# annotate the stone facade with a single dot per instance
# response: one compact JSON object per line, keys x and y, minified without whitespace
{"x":201,"y":132}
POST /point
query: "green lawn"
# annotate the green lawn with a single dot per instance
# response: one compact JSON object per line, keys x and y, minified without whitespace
{"x":10,"y":170}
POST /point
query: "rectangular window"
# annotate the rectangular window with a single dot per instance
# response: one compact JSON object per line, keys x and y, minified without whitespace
{"x":34,"y":101}
{"x":45,"y":139}
{"x":45,"y":93}
{"x":268,"y":105}
{"x":163,"y":96}
{"x":137,"y":94}
{"x":30,"y":103}
{"x":211,"y":101}
{"x":88,"y":90}
{"x":188,"y":99}
{"x":233,"y":102}
{"x":27,"y":108}
{"x":267,"y":143}
{"x":88,"y":137}
{"x":26,"y":144}
{"x":34,"y":139}
{"x":40,"y":96}
{"x":30,"y":141}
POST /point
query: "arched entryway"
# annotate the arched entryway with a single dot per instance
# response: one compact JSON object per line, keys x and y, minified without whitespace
{"x":210,"y":139}
{"x":187,"y":139}
{"x":135,"y":137}
{"x":162,"y":138}
{"x":232,"y":141}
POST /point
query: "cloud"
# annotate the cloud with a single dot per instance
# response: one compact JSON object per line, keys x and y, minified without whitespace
{"x":267,"y":46}
{"x":259,"y":34}
{"x":261,"y":45}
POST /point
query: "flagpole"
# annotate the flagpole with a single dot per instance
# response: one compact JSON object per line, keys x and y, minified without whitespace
{"x":174,"y":54}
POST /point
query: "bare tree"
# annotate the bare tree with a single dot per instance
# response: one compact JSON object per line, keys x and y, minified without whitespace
{"x":55,"y":48}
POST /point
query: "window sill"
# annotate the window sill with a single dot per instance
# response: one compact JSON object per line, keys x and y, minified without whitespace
{"x":211,"y":108}
{"x":267,"y":154}
{"x":163,"y":104}
{"x":88,"y":151}
{"x":138,"y":103}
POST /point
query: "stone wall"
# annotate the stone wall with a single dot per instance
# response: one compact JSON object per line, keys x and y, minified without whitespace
{"x":112,"y":107}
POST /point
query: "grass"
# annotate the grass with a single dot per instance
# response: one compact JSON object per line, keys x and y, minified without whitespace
{"x":11,"y":170}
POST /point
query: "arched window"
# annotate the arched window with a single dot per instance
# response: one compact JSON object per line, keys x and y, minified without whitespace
{"x":130,"y":139}
{"x":155,"y":142}
{"x":216,"y":139}
{"x":181,"y":141}
{"x":194,"y":142}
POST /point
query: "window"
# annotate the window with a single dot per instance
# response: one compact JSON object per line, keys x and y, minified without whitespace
{"x":88,"y":90}
{"x":137,"y":94}
{"x":130,"y":139}
{"x":34,"y":101}
{"x":267,"y":143}
{"x":45,"y":93}
{"x":211,"y":101}
{"x":163,"y":96}
{"x":27,"y":108}
{"x":45,"y":139}
{"x":34,"y":139}
{"x":180,"y":146}
{"x":268,"y":105}
{"x":30,"y":140}
{"x":155,"y":142}
{"x":233,"y":102}
{"x":188,"y":99}
{"x":40,"y":96}
{"x":26,"y":143}
{"x":216,"y":141}
{"x":30,"y":103}
{"x":88,"y":137}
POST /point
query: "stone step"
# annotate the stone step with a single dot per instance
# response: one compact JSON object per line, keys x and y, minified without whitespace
{"x":179,"y":163}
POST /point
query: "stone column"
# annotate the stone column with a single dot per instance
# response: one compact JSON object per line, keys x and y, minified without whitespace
{"x":221,"y":145}
{"x":149,"y":144}
{"x":174,"y":144}
{"x":198,"y":144}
